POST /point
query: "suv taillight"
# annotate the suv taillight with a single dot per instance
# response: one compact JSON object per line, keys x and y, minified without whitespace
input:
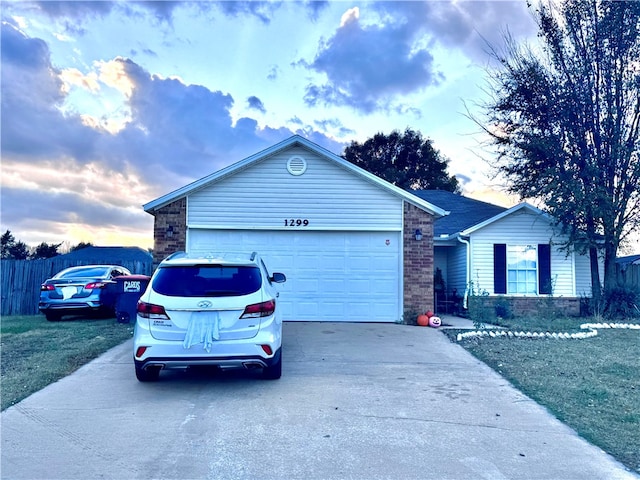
{"x":151,"y":311}
{"x":258,"y":310}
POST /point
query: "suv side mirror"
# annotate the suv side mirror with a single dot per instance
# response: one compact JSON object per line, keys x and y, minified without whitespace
{"x":278,"y":278}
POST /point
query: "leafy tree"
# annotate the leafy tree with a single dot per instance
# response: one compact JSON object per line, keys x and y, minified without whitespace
{"x":11,"y":249}
{"x":80,"y":246}
{"x":406,"y":160}
{"x":45,"y":250}
{"x":565,"y":121}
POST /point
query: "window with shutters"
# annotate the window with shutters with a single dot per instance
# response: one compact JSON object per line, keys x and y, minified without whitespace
{"x":522,"y":269}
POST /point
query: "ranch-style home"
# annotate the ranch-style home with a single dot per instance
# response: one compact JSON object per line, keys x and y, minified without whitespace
{"x":356,"y":248}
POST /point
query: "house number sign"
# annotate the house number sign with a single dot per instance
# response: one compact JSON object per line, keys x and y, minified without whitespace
{"x":296,"y":222}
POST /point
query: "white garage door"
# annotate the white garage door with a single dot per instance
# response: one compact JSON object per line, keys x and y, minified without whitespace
{"x":331,"y":276}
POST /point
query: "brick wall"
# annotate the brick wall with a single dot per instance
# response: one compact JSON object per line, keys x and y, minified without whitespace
{"x":525,"y":306}
{"x":418,"y":261}
{"x":174,"y":215}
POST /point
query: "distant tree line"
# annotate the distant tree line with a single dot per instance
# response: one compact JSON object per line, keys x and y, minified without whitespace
{"x":12,"y":249}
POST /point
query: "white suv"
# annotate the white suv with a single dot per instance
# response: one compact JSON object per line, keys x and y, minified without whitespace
{"x":217,"y":310}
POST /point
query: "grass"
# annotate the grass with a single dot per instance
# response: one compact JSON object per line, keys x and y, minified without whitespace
{"x":592,"y":385}
{"x":35,"y":352}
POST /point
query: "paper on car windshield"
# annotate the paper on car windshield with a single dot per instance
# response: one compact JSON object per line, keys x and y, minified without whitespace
{"x":204,"y":328}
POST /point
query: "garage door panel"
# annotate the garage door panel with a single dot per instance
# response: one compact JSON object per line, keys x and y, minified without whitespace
{"x":331,"y":276}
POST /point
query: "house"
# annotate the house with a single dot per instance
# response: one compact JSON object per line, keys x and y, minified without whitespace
{"x":356,"y":248}
{"x":115,"y":255}
{"x":353,"y":246}
{"x":136,"y":259}
{"x":512,"y":254}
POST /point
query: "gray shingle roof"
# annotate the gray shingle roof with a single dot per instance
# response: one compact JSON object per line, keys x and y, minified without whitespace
{"x":465,"y":212}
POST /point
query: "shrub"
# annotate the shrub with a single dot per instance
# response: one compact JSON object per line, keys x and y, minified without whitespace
{"x":622,"y":302}
{"x":503,"y":308}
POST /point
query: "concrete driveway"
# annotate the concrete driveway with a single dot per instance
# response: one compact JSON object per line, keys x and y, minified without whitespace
{"x":356,"y":401}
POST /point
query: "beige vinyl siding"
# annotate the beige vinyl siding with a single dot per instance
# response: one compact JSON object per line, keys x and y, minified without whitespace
{"x":519,"y":228}
{"x":266,"y":195}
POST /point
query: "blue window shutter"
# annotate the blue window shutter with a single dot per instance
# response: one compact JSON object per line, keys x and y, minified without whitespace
{"x":544,"y":269}
{"x":499,"y":268}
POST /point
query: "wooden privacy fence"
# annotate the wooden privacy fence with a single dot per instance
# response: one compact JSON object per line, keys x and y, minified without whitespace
{"x":629,"y":275}
{"x":20,"y":280}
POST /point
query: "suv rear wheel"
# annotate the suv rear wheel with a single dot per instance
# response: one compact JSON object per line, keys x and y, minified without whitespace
{"x":150,"y":374}
{"x":274,"y":372}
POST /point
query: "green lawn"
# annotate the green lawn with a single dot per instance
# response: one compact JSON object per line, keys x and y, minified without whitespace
{"x":35,"y":352}
{"x":592,"y":385}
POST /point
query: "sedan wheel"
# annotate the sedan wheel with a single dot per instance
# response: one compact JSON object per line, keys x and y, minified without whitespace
{"x":52,"y":316}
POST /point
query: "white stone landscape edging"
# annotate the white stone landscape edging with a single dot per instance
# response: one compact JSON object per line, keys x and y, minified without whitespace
{"x":592,"y":327}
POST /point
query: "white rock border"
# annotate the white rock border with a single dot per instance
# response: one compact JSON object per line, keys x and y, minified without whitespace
{"x":592,"y":327}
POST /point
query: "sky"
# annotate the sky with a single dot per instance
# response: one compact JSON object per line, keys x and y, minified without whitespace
{"x":108,"y":105}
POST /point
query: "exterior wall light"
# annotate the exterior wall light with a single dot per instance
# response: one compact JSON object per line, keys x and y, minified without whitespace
{"x":418,"y":234}
{"x":169,"y":231}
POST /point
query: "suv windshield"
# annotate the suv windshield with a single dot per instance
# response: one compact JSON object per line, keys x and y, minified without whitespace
{"x":207,"y":280}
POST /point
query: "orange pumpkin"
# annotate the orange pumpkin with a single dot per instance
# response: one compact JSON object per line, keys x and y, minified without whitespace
{"x":429,"y":314}
{"x":423,"y":320}
{"x":435,"y":322}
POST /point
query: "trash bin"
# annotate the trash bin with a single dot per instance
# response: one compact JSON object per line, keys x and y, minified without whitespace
{"x":129,"y":290}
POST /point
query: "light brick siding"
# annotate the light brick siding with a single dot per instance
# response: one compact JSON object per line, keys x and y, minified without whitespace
{"x":418,"y":261}
{"x":175,"y":215}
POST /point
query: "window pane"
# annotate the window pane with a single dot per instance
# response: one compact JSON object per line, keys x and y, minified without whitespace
{"x":522,"y":269}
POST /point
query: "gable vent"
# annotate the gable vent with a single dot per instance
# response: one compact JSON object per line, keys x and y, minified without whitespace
{"x":296,"y":166}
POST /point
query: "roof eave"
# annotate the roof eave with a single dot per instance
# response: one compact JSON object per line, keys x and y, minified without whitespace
{"x":500,"y":216}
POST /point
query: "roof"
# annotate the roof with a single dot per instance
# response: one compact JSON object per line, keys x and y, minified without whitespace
{"x":295,"y":140}
{"x":629,"y":260}
{"x":115,"y":253}
{"x":464,"y":212}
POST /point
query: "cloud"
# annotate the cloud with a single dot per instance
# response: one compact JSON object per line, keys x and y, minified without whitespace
{"x":261,"y":10}
{"x":315,"y":8}
{"x":367,"y":66}
{"x":66,"y":168}
{"x":388,"y":50}
{"x":274,"y":71}
{"x":256,"y":104}
{"x":32,"y":94}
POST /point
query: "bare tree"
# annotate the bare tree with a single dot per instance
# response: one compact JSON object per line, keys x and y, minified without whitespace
{"x":565,"y":118}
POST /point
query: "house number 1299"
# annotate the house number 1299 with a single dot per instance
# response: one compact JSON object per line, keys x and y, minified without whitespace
{"x":296,"y":222}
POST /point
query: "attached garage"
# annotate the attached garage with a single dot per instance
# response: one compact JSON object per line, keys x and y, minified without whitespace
{"x":345,"y":238}
{"x":335,"y":276}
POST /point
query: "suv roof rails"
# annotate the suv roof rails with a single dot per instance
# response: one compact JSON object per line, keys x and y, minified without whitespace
{"x":176,"y":255}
